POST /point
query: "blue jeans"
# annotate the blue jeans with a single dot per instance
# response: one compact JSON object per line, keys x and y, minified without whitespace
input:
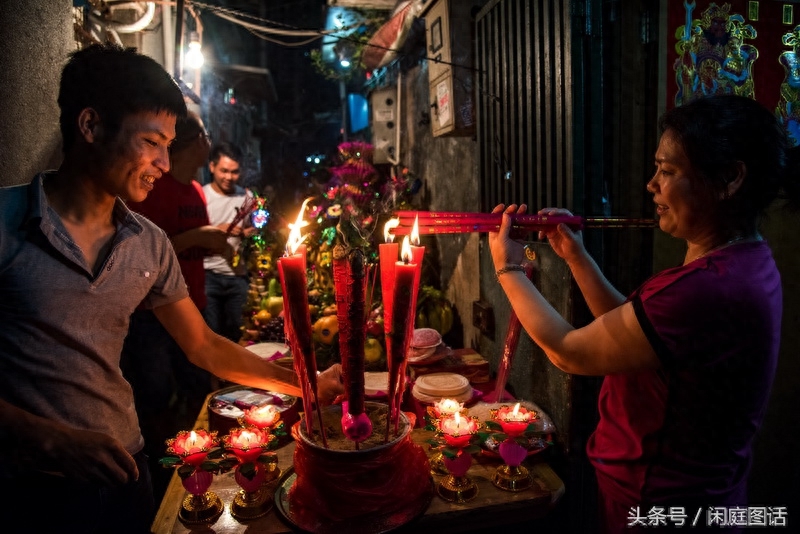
{"x":226,"y":296}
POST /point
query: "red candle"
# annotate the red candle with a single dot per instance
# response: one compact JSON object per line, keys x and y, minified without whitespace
{"x":417,"y":255}
{"x":388,"y":254}
{"x":402,"y":317}
{"x":297,"y":321}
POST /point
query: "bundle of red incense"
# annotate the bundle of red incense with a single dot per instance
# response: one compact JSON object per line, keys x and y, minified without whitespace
{"x":455,"y":222}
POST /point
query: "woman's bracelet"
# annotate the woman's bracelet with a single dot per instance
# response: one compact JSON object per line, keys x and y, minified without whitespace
{"x":507,"y":269}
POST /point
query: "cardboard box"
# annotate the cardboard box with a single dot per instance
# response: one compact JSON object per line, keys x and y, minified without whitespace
{"x":465,"y":362}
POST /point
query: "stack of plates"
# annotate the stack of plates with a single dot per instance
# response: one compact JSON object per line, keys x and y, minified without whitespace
{"x":376,"y":384}
{"x":426,"y":347}
{"x":436,"y":386}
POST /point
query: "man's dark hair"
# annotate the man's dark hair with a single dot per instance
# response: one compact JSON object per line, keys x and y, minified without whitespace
{"x":226,"y":149}
{"x":187,"y":130}
{"x":115,"y":82}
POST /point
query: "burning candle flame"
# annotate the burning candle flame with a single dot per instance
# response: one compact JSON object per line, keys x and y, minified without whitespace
{"x":405,"y":252}
{"x":295,"y":239}
{"x":192,"y":439}
{"x":516,"y":409}
{"x":391,"y":224}
{"x":415,"y":232}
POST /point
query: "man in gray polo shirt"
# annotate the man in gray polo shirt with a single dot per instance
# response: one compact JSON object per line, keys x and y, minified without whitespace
{"x":74,"y":264}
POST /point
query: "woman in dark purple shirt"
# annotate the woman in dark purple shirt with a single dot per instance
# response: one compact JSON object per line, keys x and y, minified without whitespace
{"x":689,"y":358}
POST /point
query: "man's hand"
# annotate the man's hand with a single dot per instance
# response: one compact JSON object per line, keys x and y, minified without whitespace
{"x":329,"y":384}
{"x":32,"y":443}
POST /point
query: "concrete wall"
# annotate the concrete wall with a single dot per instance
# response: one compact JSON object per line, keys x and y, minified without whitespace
{"x":448,"y":169}
{"x":36,"y":37}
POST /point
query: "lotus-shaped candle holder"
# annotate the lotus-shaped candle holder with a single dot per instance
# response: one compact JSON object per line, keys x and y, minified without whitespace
{"x":254,"y":470}
{"x":457,"y":438}
{"x":191,"y":451}
{"x":512,"y":424}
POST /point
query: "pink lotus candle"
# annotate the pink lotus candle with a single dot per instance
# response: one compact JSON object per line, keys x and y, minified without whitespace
{"x":247,"y":443}
{"x":192,"y":446}
{"x":447,"y":407}
{"x":457,"y":429}
{"x":514,"y":421}
{"x":263,"y":417}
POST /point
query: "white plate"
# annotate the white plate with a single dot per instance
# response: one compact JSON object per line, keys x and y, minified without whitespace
{"x":376,"y":384}
{"x":431,"y":399}
{"x":446,"y":385}
{"x":269,"y":351}
{"x":441,"y":352}
{"x":421,"y":333}
{"x":416,"y":353}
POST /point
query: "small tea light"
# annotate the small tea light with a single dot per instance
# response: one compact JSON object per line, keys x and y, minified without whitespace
{"x":457,"y":429}
{"x":263,"y":417}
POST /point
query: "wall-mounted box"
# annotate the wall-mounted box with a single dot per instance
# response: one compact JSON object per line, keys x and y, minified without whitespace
{"x":449,"y":39}
{"x":383,"y":103}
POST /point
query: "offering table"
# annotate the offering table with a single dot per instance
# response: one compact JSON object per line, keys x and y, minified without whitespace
{"x":491,"y":507}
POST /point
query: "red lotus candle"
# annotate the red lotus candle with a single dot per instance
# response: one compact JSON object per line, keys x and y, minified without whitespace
{"x":514,"y":420}
{"x":192,"y":446}
{"x":247,"y":443}
{"x":400,"y":335}
{"x":263,"y":417}
{"x":457,"y":429}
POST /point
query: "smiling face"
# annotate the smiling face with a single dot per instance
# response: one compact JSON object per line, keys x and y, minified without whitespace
{"x":129,"y":164}
{"x":225,"y":173}
{"x":684,"y":207}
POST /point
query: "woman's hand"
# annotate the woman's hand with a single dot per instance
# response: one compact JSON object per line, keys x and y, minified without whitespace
{"x":566,"y":243}
{"x":505,"y":250}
